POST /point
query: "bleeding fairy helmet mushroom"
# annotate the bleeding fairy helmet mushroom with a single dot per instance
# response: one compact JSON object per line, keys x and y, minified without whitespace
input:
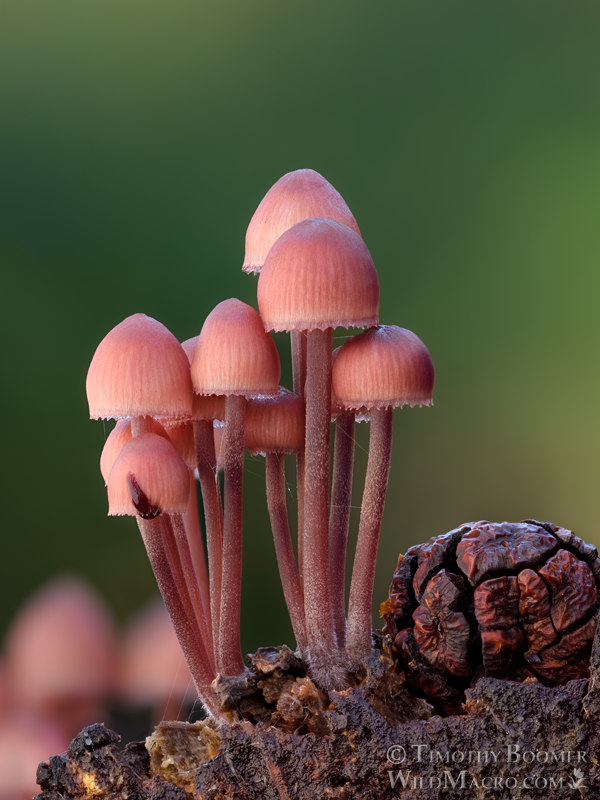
{"x":298,"y":195}
{"x":317,"y":276}
{"x":235,"y":357}
{"x":373,"y":373}
{"x":148,"y":477}
{"x":139,"y":369}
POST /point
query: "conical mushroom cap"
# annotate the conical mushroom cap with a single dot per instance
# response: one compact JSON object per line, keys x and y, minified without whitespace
{"x":234,"y":355}
{"x":298,"y":195}
{"x":318,"y":274}
{"x":153,"y":465}
{"x":139,"y":369}
{"x":383,"y":367}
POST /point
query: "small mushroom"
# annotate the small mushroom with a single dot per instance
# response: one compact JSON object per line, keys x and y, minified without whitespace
{"x":374,"y":372}
{"x":318,"y":275}
{"x":235,"y":357}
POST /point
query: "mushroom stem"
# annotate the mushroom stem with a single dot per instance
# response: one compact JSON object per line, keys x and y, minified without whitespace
{"x":185,"y":568}
{"x":290,"y":580}
{"x":229,"y":653}
{"x":363,"y":571}
{"x":298,"y":345}
{"x":213,"y":516}
{"x":140,"y":425}
{"x":339,"y":518}
{"x":155,"y":535}
{"x":321,"y":645}
{"x":191,"y":522}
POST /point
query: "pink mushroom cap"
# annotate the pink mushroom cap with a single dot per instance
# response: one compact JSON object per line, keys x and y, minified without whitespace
{"x":383,"y":367}
{"x":139,"y":369}
{"x":319,"y":274}
{"x":298,"y":195}
{"x":234,"y":355}
{"x":152,"y":464}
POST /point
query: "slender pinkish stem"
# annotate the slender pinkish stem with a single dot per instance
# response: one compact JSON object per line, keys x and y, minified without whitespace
{"x":288,"y":571}
{"x":213,"y":517}
{"x":339,"y":518}
{"x":371,"y":514}
{"x":191,"y":521}
{"x":322,"y":651}
{"x":229,"y":652}
{"x":298,"y":344}
{"x":153,"y":535}
{"x":192,"y":582}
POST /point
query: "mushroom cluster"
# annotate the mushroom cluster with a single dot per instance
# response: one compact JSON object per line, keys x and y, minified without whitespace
{"x":192,"y":409}
{"x":508,"y":600}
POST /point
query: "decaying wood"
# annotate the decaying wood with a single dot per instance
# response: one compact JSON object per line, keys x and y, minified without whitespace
{"x":287,"y":740}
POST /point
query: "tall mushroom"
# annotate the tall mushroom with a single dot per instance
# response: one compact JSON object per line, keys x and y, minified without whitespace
{"x":317,"y":276}
{"x":296,"y":196}
{"x":373,"y":373}
{"x":235,"y":357}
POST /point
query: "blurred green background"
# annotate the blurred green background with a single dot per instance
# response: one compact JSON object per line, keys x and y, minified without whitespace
{"x":137,"y":139}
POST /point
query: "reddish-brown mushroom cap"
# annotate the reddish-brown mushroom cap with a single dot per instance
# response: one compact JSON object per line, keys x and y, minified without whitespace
{"x":148,"y":477}
{"x":319,"y":274}
{"x":275,"y":424}
{"x":139,"y":369}
{"x":234,"y":355}
{"x":383,"y":367}
{"x":298,"y":195}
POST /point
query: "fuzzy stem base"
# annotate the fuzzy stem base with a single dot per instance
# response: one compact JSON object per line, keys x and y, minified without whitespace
{"x":290,"y":580}
{"x":229,"y":653}
{"x":371,"y":514}
{"x":339,"y":518}
{"x":322,"y":651}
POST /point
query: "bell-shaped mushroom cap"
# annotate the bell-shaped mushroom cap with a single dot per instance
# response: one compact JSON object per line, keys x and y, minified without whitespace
{"x":234,"y":355}
{"x":148,"y":477}
{"x":117,"y":439}
{"x":318,"y":274}
{"x":139,"y":369}
{"x":204,"y":406}
{"x":298,"y":195}
{"x":383,"y":367}
{"x":275,"y":424}
{"x":60,"y":649}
